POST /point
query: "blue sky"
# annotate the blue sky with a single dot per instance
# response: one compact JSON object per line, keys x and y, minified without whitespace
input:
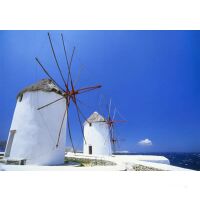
{"x":153,"y":78}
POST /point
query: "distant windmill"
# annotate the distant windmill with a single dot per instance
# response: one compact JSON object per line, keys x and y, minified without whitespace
{"x":111,"y":121}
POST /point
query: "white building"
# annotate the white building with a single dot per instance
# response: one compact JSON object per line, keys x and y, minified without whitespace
{"x":34,"y":133}
{"x":97,"y":136}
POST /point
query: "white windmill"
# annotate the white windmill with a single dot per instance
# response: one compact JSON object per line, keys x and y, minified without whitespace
{"x":38,"y":131}
{"x":99,"y":134}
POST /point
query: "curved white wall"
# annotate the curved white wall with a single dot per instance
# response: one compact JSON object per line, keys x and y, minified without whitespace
{"x":98,"y":137}
{"x":37,"y":130}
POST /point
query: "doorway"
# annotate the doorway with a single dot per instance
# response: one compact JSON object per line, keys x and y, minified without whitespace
{"x":9,"y":143}
{"x":90,"y":149}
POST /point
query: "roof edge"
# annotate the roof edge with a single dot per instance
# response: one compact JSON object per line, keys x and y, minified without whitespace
{"x":45,"y":85}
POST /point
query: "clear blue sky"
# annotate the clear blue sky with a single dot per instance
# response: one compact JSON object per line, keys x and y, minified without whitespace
{"x":153,"y":77}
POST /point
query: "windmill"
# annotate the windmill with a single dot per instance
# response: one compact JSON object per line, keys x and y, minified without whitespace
{"x":69,"y":92}
{"x":38,"y":130}
{"x":110,"y":120}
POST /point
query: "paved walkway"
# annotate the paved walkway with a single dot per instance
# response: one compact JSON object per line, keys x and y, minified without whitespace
{"x":128,"y":161}
{"x":123,"y":162}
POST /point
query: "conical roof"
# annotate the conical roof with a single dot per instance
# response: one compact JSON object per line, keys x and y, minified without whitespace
{"x":95,"y":117}
{"x":45,"y":85}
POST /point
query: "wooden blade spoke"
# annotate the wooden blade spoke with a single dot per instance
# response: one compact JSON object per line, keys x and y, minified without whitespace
{"x":79,"y":119}
{"x":78,"y":76}
{"x":72,"y":57}
{"x":69,"y":131}
{"x":114,"y":114}
{"x":87,"y":89}
{"x":113,"y":140}
{"x":120,"y":121}
{"x":63,"y":42}
{"x":60,"y":130}
{"x":50,"y":103}
{"x":99,"y":121}
{"x":79,"y":110}
{"x":68,"y":64}
{"x":46,"y":72}
{"x":54,"y":55}
{"x":109,"y":109}
{"x":112,"y":133}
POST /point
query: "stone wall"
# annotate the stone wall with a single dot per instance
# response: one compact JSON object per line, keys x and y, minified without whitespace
{"x":89,"y":161}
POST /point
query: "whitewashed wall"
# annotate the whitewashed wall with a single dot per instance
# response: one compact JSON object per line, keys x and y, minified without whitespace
{"x":37,"y":130}
{"x":98,"y":137}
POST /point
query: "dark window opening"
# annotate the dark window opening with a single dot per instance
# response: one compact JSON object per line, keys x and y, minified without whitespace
{"x":90,"y":149}
{"x":20,"y":97}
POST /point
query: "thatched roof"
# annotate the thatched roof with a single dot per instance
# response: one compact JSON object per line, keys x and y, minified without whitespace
{"x":45,"y":85}
{"x":95,"y":117}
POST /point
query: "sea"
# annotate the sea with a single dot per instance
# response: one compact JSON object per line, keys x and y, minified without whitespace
{"x":185,"y":160}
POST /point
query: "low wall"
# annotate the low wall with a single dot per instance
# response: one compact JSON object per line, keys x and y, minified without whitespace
{"x":89,"y":161}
